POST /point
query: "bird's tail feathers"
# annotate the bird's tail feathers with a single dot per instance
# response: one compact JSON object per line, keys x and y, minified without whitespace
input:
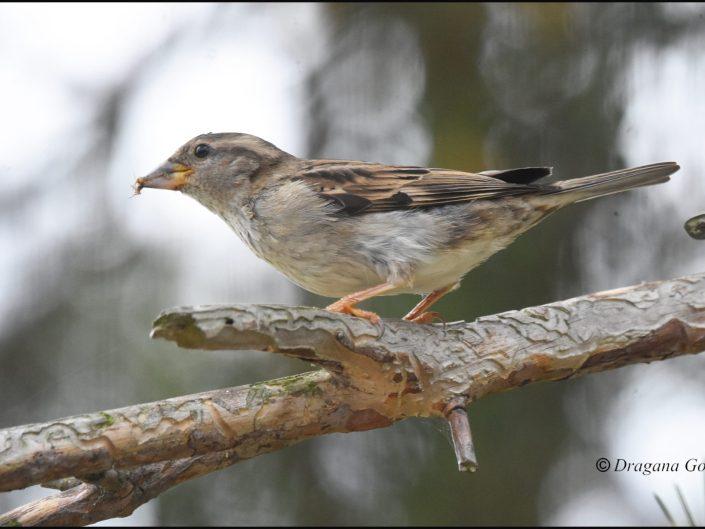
{"x":579,"y":189}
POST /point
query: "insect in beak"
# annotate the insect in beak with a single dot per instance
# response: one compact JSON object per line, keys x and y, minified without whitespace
{"x":170,"y":175}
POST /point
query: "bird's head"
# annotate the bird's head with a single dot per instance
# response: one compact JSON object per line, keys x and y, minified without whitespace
{"x":215,"y":168}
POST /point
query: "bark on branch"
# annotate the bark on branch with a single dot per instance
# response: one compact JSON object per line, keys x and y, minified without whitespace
{"x":371,"y":377}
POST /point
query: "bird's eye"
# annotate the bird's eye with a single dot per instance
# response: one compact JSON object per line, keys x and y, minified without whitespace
{"x":202,"y":150}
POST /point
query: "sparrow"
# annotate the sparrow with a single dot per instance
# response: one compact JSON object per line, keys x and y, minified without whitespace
{"x":355,"y":230}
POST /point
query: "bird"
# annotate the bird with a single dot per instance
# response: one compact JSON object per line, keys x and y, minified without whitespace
{"x":354,"y":230}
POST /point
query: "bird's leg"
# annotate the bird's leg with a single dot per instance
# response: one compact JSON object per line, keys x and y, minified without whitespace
{"x":346,"y":305}
{"x":419,"y":315}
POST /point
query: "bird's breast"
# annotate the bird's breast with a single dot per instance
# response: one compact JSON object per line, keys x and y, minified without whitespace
{"x":304,"y":243}
{"x":420,"y":250}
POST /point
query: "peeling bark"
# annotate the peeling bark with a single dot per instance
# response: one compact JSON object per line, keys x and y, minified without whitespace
{"x":370,"y":378}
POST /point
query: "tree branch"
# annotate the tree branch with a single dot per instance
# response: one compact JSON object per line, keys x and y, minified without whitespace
{"x":370,"y":379}
{"x":114,"y":493}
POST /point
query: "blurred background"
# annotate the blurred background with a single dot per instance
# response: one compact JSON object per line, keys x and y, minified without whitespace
{"x":95,"y":95}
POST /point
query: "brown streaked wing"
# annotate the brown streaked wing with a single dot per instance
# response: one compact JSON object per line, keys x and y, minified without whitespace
{"x":361,"y":187}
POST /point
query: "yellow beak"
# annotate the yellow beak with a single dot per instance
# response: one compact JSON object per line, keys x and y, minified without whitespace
{"x":170,"y":175}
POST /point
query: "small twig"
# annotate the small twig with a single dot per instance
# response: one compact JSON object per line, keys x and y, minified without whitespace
{"x":685,"y":507}
{"x":462,"y":436}
{"x":665,"y":510}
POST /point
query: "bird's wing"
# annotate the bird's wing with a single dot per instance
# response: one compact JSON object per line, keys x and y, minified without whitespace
{"x":359,"y":187}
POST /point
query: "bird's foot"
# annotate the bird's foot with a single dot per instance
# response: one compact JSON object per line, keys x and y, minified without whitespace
{"x":424,"y":317}
{"x":354,"y":311}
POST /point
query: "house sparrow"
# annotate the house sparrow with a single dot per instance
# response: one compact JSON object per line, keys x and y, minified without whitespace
{"x":356,"y":230}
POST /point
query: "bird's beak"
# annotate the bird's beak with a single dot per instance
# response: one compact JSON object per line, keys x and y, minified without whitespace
{"x":170,"y":175}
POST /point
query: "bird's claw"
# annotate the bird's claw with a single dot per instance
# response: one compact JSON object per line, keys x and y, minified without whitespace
{"x":354,"y":311}
{"x":425,"y":317}
{"x":359,"y":313}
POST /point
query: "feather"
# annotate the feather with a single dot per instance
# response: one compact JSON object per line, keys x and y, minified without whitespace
{"x":360,"y":187}
{"x":524,"y":175}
